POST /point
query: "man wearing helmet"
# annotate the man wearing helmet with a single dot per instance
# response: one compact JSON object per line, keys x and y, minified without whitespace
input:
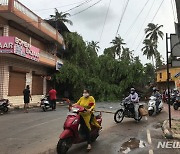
{"x":158,"y":97}
{"x":133,"y":97}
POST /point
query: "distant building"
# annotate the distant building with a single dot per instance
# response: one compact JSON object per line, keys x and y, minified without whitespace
{"x":28,"y":52}
{"x":162,"y":78}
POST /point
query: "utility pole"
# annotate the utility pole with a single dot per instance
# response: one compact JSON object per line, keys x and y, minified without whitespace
{"x":167,"y":56}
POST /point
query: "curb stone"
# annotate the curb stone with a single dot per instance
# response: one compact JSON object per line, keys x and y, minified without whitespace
{"x":168,"y":133}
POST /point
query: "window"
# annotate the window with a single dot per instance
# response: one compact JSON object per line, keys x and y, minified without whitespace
{"x":1,"y":31}
{"x":160,"y":75}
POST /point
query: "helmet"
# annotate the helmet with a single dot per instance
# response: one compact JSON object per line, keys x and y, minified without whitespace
{"x":154,"y":89}
{"x":132,"y":89}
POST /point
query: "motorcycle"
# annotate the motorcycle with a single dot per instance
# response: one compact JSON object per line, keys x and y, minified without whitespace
{"x":4,"y":103}
{"x":176,"y":104}
{"x":73,"y":133}
{"x":126,"y":110}
{"x":152,"y":106}
{"x":172,"y":98}
{"x":45,"y":103}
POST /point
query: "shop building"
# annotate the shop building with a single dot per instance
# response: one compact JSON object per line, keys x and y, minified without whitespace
{"x":28,"y":52}
{"x":162,"y":78}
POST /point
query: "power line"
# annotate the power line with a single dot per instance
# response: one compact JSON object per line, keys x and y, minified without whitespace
{"x":87,"y":1}
{"x":142,"y":24}
{"x":122,"y":16}
{"x":130,"y":28}
{"x":38,"y":10}
{"x":157,"y":10}
{"x":105,"y":20}
{"x":86,"y":8}
{"x":151,"y":21}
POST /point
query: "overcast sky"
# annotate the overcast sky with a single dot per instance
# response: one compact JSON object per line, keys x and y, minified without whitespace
{"x":90,"y":23}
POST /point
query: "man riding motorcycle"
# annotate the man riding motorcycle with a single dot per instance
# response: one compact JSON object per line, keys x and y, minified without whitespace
{"x":158,"y":97}
{"x":88,"y":102}
{"x":134,"y":98}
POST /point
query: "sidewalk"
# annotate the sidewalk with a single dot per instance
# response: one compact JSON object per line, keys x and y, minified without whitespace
{"x":174,"y":132}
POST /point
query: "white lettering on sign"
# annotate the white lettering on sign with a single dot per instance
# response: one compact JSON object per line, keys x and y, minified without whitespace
{"x":6,"y":45}
{"x":22,"y":43}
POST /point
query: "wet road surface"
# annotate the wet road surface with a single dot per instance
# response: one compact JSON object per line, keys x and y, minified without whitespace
{"x":37,"y":132}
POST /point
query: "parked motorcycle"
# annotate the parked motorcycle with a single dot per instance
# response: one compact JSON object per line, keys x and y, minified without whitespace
{"x":4,"y":103}
{"x":172,"y":98}
{"x":45,"y":103}
{"x":176,"y":104}
{"x":73,"y":133}
{"x":152,"y":106}
{"x":126,"y":110}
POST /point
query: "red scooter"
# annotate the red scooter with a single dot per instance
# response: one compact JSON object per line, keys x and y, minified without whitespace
{"x":73,"y":134}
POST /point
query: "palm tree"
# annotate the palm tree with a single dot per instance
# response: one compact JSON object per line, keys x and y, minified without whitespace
{"x":62,"y":17}
{"x":153,"y":32}
{"x":94,"y":45}
{"x":118,"y":42}
{"x":149,"y":49}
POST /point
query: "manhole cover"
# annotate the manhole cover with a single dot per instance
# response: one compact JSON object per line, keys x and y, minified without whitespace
{"x":131,"y":144}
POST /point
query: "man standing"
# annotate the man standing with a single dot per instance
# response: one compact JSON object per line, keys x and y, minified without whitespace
{"x":27,"y":96}
{"x":52,"y":97}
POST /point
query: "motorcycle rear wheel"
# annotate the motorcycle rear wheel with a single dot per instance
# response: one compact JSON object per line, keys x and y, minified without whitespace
{"x":119,"y":116}
{"x":64,"y":145}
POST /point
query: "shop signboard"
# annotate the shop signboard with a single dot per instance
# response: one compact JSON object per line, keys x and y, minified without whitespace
{"x":19,"y":47}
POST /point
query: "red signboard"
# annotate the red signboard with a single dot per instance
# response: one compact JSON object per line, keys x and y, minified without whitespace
{"x":19,"y":47}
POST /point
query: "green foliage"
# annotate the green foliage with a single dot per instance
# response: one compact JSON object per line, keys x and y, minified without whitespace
{"x":107,"y":78}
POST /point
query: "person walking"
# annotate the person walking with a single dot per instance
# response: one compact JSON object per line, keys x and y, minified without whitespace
{"x":52,"y":97}
{"x":27,"y":97}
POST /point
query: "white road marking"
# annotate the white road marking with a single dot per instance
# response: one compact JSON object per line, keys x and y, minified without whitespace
{"x":151,"y":151}
{"x":149,"y":141}
{"x":149,"y":137}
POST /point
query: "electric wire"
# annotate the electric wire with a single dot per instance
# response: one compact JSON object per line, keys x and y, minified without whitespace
{"x":151,"y":21}
{"x":122,"y":17}
{"x":143,"y":24}
{"x":135,"y":20}
{"x":87,"y":1}
{"x":38,"y":10}
{"x":86,"y":8}
{"x":105,"y":20}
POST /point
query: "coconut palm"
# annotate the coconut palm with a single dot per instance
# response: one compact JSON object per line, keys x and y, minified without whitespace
{"x":62,"y":17}
{"x":94,"y":45}
{"x":153,"y":32}
{"x":118,"y":42}
{"x":149,"y":49}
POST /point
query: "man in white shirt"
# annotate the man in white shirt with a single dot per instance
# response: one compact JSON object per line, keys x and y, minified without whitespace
{"x":133,"y":97}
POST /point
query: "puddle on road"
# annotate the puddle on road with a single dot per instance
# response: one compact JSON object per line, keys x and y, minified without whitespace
{"x":132,"y":144}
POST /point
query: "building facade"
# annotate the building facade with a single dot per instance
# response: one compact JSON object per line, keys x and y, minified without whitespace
{"x":28,"y":47}
{"x":162,"y":78}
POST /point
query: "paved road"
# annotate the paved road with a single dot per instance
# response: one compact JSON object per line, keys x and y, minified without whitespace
{"x":37,"y":132}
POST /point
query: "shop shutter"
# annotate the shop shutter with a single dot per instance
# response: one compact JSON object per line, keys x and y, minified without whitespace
{"x":37,"y":85}
{"x":17,"y":83}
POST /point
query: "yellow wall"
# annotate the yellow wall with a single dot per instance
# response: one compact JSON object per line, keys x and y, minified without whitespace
{"x":173,"y":72}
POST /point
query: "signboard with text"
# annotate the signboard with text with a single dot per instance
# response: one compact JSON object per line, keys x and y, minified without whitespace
{"x":19,"y":47}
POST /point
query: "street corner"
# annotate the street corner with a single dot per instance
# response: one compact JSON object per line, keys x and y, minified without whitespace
{"x":174,"y":131}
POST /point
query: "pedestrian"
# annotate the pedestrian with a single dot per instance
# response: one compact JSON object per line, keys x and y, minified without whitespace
{"x":27,"y":97}
{"x":52,"y":97}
